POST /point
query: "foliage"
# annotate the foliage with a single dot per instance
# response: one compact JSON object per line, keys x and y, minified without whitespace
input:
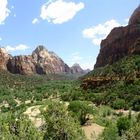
{"x":119,"y":104}
{"x":132,"y":134}
{"x":60,"y":125}
{"x":110,"y":133}
{"x":81,"y":110}
{"x":17,"y":128}
{"x":123,"y":124}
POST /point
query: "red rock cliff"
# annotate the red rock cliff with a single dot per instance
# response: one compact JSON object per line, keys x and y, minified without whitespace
{"x":121,"y":41}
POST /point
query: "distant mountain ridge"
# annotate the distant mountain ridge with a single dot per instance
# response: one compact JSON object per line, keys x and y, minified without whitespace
{"x":41,"y":61}
{"x":76,"y":68}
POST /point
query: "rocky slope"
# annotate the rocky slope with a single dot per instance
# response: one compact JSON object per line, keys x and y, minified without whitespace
{"x":41,"y":61}
{"x":122,"y":41}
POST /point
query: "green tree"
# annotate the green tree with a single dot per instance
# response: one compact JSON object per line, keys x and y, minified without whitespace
{"x":81,"y":109}
{"x":12,"y":128}
{"x":60,"y":125}
{"x":123,"y":124}
{"x":132,"y":134}
{"x":110,"y":133}
{"x":119,"y":104}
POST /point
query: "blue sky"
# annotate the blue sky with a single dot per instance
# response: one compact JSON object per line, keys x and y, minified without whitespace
{"x":72,"y":29}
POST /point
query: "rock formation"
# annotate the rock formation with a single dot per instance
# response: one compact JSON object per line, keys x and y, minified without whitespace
{"x":48,"y":62}
{"x":121,"y":41}
{"x":21,"y":65}
{"x":4,"y":57}
{"x":41,"y":61}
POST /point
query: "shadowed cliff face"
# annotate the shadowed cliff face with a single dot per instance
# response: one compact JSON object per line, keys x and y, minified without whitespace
{"x":120,"y":42}
{"x":21,"y":65}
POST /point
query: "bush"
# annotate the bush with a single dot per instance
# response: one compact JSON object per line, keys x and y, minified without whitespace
{"x":110,"y":133}
{"x":123,"y":124}
{"x":80,"y":110}
{"x":132,"y":134}
{"x":60,"y":125}
{"x":119,"y":104}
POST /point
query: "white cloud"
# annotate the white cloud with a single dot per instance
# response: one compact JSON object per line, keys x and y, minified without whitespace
{"x":99,"y":32}
{"x":59,"y":11}
{"x":0,"y":38}
{"x":20,"y":47}
{"x":4,"y":11}
{"x":35,"y":20}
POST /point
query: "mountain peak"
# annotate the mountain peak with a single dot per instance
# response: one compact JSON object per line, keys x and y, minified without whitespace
{"x":76,"y":65}
{"x":76,"y":68}
{"x":135,"y":17}
{"x":3,"y":50}
{"x":40,"y":48}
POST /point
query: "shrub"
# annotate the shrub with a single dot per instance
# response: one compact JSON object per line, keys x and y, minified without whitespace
{"x":119,"y":104}
{"x":123,"y":124}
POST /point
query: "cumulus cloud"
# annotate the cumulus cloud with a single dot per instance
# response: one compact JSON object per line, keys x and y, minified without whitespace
{"x":59,"y":11}
{"x":99,"y":32}
{"x":20,"y":47}
{"x":35,"y":20}
{"x":4,"y":11}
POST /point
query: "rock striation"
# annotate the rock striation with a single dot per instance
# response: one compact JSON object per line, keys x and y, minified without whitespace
{"x":122,"y":41}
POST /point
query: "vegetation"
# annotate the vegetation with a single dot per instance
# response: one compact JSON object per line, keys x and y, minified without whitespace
{"x":60,"y":125}
{"x":65,"y":107}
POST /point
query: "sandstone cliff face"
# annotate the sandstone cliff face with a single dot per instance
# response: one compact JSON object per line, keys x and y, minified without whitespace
{"x":121,"y":41}
{"x":48,"y":62}
{"x":40,"y":62}
{"x":4,"y":56}
{"x":21,"y":65}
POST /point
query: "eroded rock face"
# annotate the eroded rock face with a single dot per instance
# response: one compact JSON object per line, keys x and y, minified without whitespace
{"x":48,"y":62}
{"x":21,"y":65}
{"x":120,"y":42}
{"x":40,"y":62}
{"x":4,"y":56}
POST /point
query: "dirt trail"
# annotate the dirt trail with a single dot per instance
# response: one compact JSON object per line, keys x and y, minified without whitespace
{"x":92,"y":131}
{"x":33,"y":113}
